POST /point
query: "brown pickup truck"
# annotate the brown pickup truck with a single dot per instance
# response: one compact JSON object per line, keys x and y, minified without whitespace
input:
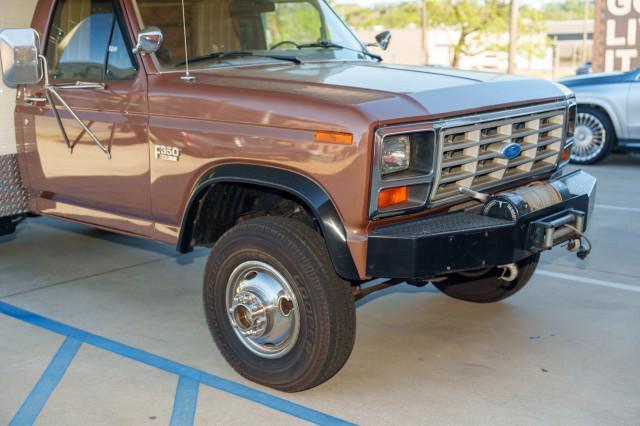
{"x":265,"y":130}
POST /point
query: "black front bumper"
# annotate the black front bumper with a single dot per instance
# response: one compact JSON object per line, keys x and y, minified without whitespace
{"x":465,"y":241}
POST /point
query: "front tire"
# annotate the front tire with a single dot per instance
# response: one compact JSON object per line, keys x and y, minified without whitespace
{"x":488,"y":287}
{"x":275,"y":307}
{"x":594,"y":136}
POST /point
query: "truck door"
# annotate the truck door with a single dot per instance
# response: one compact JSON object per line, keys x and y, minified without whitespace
{"x":633,"y":110}
{"x":103,"y":181}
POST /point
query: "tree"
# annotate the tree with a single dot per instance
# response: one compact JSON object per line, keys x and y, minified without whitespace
{"x":472,"y":19}
{"x":478,"y":22}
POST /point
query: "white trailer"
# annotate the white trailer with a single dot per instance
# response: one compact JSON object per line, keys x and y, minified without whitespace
{"x":14,"y":199}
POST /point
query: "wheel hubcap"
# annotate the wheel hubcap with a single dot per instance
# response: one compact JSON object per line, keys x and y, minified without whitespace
{"x":262,"y":309}
{"x":590,"y":138}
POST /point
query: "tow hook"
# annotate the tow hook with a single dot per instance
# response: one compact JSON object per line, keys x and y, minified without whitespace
{"x":510,"y":272}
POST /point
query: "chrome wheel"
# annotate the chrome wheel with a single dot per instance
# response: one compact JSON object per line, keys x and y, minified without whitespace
{"x":262,"y":309}
{"x":590,"y":138}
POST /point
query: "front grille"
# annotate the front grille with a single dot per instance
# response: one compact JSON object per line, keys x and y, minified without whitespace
{"x":471,"y":156}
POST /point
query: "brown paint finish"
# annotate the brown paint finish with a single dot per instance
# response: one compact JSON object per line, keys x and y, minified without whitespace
{"x":85,"y":185}
{"x":258,"y":112}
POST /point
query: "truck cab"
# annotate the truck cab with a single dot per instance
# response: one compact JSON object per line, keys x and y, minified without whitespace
{"x":267,"y":132}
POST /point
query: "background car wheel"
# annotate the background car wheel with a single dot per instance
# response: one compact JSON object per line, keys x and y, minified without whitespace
{"x":275,"y":307}
{"x":488,"y":287}
{"x":594,"y":138}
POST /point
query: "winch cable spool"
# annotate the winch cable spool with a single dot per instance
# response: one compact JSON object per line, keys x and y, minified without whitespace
{"x":512,"y":205}
{"x":539,"y":196}
{"x":536,"y":196}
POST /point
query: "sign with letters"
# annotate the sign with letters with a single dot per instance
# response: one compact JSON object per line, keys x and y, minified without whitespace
{"x":616,"y":41}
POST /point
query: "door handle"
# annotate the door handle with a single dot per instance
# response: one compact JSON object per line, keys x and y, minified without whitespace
{"x":35,"y":99}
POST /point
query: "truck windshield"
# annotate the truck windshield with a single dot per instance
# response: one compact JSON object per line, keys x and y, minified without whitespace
{"x":306,"y":30}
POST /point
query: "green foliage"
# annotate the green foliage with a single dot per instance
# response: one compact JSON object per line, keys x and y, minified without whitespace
{"x":473,"y":19}
{"x":565,"y":9}
{"x":299,"y":22}
{"x":401,"y":15}
{"x":389,"y":16}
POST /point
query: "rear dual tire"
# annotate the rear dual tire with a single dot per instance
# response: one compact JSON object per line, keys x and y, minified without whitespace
{"x":8,"y":225}
{"x":275,"y":307}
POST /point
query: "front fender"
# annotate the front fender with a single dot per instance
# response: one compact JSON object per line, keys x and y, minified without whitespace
{"x":303,"y":188}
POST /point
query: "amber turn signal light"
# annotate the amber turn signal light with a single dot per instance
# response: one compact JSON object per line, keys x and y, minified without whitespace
{"x":334,"y":137}
{"x":566,"y":153}
{"x":393,"y":196}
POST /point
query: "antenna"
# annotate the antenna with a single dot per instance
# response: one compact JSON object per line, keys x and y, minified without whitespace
{"x":187,"y":76}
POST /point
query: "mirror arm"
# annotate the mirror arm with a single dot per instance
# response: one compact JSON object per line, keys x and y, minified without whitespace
{"x":51,"y":92}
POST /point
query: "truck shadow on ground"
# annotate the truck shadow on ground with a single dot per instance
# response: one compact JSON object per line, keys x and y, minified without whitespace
{"x":115,"y":238}
{"x":623,"y":159}
{"x":398,"y":289}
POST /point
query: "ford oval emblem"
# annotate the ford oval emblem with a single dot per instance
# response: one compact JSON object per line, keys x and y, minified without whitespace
{"x":511,"y":151}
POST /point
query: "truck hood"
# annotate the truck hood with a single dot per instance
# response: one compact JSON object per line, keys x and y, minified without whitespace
{"x":390,"y":93}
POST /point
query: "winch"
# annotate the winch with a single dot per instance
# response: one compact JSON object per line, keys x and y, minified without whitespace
{"x":544,"y":234}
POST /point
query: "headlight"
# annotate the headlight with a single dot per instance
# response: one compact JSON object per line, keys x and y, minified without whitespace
{"x":396,"y":154}
{"x":403,"y":171}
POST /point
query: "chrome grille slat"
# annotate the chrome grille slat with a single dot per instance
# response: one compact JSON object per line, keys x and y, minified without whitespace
{"x":471,"y":155}
{"x":457,"y":162}
{"x":460,"y":146}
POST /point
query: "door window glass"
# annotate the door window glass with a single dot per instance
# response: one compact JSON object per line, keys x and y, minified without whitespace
{"x":82,"y":39}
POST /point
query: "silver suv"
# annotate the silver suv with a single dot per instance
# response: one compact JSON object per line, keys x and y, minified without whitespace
{"x":608,"y":114}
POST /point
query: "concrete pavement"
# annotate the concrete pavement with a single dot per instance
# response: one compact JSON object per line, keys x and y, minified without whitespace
{"x":563,"y":351}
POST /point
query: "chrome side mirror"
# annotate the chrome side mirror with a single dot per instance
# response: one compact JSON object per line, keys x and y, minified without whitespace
{"x":383,"y":39}
{"x":19,"y":57}
{"x":149,"y":40}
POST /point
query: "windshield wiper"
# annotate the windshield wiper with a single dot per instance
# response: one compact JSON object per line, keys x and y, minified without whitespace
{"x":328,"y":44}
{"x":237,"y":53}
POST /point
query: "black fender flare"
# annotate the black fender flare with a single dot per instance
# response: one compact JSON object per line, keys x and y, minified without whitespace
{"x":315,"y":198}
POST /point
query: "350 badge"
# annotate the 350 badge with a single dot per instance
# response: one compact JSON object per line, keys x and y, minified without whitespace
{"x":167,"y":153}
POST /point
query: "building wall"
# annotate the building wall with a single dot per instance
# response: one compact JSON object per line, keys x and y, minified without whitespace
{"x":616,"y":40}
{"x":15,"y":14}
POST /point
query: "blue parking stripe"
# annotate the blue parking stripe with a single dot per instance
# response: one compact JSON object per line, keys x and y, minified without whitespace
{"x":173,"y":367}
{"x":184,"y":404}
{"x":33,"y":405}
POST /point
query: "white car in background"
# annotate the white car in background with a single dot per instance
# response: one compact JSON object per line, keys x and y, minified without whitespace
{"x":608,"y":114}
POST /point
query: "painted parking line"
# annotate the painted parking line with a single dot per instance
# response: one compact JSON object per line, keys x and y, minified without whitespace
{"x":173,"y":367}
{"x":624,"y":209}
{"x":33,"y":405}
{"x":591,"y":281}
{"x":184,"y":404}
